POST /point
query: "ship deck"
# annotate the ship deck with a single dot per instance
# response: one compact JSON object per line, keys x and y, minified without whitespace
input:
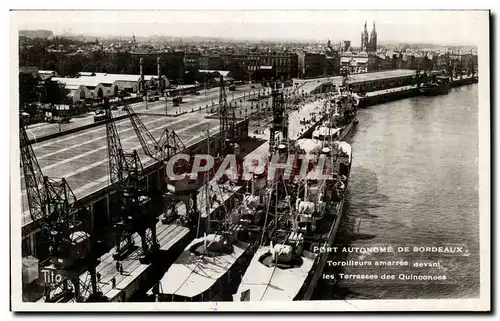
{"x":263,"y":283}
{"x":295,"y":128}
{"x":191,"y":275}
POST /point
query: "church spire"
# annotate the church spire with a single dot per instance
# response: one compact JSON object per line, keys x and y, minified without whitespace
{"x":373,"y":39}
{"x":364,"y":38}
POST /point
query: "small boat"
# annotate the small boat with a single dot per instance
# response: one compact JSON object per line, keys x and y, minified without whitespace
{"x":441,"y":86}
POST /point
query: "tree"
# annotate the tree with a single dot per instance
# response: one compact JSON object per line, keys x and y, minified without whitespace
{"x":237,"y":71}
{"x":55,"y":93}
{"x":27,"y":89}
{"x":190,"y":75}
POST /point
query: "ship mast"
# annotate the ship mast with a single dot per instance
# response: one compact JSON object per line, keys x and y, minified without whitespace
{"x":205,"y":184}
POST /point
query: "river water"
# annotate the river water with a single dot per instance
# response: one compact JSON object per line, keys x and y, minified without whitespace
{"x":414,"y":182}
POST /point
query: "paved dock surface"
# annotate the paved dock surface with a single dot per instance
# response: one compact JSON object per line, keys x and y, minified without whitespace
{"x":82,"y":157}
{"x":307,"y":110}
{"x":167,"y":235}
{"x":159,"y":107}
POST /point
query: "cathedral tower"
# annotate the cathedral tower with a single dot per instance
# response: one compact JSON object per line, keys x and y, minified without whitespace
{"x":373,"y":40}
{"x":364,"y":39}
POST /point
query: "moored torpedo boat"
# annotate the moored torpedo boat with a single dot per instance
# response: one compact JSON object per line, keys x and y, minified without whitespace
{"x":287,"y":265}
{"x":341,"y":114}
{"x":439,"y":86}
{"x":210,"y":267}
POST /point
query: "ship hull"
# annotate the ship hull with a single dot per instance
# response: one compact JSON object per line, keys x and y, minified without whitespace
{"x":304,"y":291}
{"x":435,"y":91}
{"x":311,"y":282}
{"x":320,"y":262}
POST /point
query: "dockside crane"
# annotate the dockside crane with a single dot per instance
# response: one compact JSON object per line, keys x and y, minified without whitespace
{"x":227,"y":120}
{"x":134,"y":215}
{"x":72,"y":249}
{"x":279,"y":122}
{"x":161,"y":150}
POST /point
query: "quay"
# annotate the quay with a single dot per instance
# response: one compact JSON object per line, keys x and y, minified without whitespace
{"x":80,"y":156}
{"x":376,"y":87}
{"x":172,"y":238}
{"x":392,"y":94}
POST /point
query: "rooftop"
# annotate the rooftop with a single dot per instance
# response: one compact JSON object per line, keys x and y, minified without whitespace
{"x":311,"y":84}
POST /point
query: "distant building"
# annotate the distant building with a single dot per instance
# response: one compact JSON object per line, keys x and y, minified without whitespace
{"x":252,"y":63}
{"x":255,"y":65}
{"x":191,"y":59}
{"x":35,"y":72}
{"x":47,"y":74}
{"x":210,"y":62}
{"x":36,"y":33}
{"x":285,"y":63}
{"x":90,"y":85}
{"x":364,"y":38}
{"x":372,"y":44}
{"x":345,"y":45}
{"x":358,"y":62}
{"x":29,"y":70}
{"x":369,"y":44}
{"x":311,"y":64}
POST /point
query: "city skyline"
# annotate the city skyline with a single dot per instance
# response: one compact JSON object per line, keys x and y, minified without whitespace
{"x":443,"y":27}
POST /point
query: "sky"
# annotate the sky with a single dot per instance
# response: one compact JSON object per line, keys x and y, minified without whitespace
{"x":440,"y":27}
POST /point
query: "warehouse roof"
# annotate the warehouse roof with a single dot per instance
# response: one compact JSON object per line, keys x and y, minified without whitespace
{"x":311,"y":84}
{"x":77,"y":81}
{"x":110,"y":78}
{"x":92,"y":80}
